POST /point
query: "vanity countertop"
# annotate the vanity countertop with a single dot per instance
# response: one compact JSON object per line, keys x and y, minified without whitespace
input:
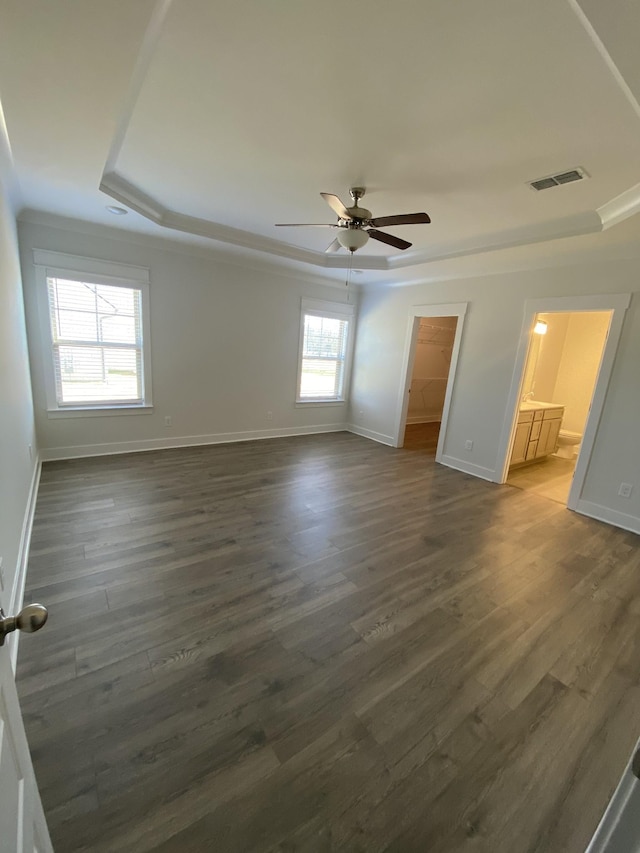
{"x":535,"y":405}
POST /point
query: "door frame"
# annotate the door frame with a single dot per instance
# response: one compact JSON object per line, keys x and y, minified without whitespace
{"x":447,"y":309}
{"x":617,"y":303}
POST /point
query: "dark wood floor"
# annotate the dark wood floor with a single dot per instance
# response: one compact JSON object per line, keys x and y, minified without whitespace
{"x":321,"y":643}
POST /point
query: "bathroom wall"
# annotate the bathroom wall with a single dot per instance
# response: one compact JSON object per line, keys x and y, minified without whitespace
{"x":578,"y":368}
{"x":563,"y":364}
{"x":431,"y":369}
{"x":544,"y":358}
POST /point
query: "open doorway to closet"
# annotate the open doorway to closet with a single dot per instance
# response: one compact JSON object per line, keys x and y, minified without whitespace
{"x":429,"y":377}
{"x":429,"y":365}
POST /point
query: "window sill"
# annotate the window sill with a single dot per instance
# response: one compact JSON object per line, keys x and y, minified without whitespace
{"x":303,"y":404}
{"x":98,"y":412}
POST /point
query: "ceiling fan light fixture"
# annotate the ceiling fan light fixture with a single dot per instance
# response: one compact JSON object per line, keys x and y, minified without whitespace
{"x":352,"y":238}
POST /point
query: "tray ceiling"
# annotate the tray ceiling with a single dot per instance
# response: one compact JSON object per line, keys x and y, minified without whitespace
{"x":219,"y":120}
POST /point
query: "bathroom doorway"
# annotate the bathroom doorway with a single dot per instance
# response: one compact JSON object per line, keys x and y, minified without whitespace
{"x":535,"y":431}
{"x":559,"y":379}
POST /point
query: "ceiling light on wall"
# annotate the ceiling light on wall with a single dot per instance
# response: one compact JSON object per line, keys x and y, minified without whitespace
{"x":352,"y":238}
{"x":540,"y":327}
{"x":117,"y":211}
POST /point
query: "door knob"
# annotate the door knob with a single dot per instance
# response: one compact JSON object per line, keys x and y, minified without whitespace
{"x":31,"y":618}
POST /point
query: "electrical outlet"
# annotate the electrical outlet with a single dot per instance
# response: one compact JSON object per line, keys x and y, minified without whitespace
{"x":167,"y":420}
{"x":468,"y":445}
{"x":1,"y":576}
{"x":625,"y":490}
{"x":269,"y":416}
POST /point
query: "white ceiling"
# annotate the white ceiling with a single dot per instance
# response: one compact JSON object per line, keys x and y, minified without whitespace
{"x":221,"y":119}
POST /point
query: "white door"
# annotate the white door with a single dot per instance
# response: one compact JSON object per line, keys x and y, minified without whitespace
{"x":23,"y":828}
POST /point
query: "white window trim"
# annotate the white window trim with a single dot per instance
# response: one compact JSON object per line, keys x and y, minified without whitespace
{"x":336,"y":311}
{"x":92,"y":270}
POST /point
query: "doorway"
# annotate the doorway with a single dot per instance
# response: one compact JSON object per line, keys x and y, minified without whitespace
{"x":615,"y":305}
{"x":429,"y":377}
{"x":559,"y":379}
{"x":429,"y":365}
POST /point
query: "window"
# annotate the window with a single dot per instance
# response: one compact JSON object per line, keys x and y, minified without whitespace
{"x":324,"y":351}
{"x":98,"y":325}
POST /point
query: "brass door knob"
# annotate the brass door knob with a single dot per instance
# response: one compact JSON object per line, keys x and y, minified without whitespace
{"x":31,"y":618}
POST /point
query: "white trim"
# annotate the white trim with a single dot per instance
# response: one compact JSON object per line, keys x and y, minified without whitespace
{"x":620,"y":208}
{"x":606,"y":56}
{"x":222,"y":253}
{"x":577,"y":224}
{"x":96,"y":271}
{"x":604,"y":840}
{"x":17,"y":592}
{"x":62,"y":263}
{"x":98,"y":411}
{"x":136,"y":81}
{"x":380,"y":437}
{"x":328,"y":308}
{"x":469,"y":468}
{"x":450,"y":309}
{"x":344,"y":311}
{"x":144,"y":445}
{"x":617,"y":303}
{"x":609,"y":516}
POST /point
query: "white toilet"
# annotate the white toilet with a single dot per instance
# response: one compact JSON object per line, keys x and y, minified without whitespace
{"x":568,"y":444}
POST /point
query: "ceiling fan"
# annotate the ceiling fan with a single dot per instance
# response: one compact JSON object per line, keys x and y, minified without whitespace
{"x":356,"y":224}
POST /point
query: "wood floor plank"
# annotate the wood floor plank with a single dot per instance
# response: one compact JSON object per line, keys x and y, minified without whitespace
{"x":321,"y":643}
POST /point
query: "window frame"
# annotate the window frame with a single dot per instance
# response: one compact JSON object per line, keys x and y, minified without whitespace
{"x":91,"y":271}
{"x":333,"y":311}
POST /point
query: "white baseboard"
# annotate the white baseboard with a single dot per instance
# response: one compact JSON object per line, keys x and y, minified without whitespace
{"x":610,"y":516}
{"x":424,"y":419}
{"x":372,"y":434}
{"x":80,"y":451}
{"x":469,"y":468}
{"x":17,"y":592}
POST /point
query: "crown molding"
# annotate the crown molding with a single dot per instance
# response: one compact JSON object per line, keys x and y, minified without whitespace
{"x":589,"y":222}
{"x":163,"y":243}
{"x":8,"y":177}
{"x":125,"y":191}
{"x":620,"y":208}
{"x":606,"y":56}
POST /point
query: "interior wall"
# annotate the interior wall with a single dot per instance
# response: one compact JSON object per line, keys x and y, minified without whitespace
{"x":544,"y":358}
{"x":17,"y":432}
{"x":224,"y":348}
{"x":578,"y":366}
{"x":485,"y":368}
{"x":430,"y":371}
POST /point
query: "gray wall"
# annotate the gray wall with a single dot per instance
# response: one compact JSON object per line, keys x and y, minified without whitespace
{"x":485,"y":368}
{"x":17,"y":465}
{"x":224,"y":347}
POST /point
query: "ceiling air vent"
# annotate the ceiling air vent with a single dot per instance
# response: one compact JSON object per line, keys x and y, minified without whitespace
{"x":561,"y":178}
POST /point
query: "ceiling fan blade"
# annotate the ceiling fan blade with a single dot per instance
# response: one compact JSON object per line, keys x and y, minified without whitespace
{"x":391,"y":239}
{"x":305,"y":225}
{"x":402,"y":219}
{"x":336,"y":205}
{"x":334,"y":247}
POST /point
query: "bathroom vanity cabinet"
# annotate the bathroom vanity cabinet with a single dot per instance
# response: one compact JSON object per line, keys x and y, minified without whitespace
{"x":536,"y":432}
